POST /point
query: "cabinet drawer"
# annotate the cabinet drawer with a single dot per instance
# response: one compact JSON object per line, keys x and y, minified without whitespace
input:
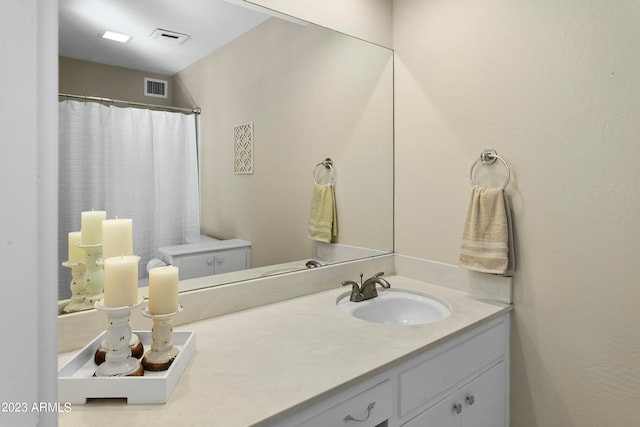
{"x":437,"y":375}
{"x":379,"y":398}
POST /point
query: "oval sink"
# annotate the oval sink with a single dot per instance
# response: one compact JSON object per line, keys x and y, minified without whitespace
{"x":396,"y":307}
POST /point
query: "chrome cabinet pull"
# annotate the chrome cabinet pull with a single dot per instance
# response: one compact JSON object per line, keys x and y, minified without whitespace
{"x":369,"y":409}
{"x":471,"y":399}
{"x":457,"y":408}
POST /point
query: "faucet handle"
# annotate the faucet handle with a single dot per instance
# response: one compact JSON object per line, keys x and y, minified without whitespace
{"x":356,"y":296}
{"x":350,"y":282}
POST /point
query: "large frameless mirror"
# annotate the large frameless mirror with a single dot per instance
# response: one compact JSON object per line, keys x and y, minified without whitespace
{"x":292,"y":92}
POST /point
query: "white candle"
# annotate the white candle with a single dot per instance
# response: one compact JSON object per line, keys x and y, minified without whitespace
{"x":91,"y":226}
{"x":120,"y":281}
{"x":163,"y":290}
{"x":76,"y":254}
{"x":117,"y":237}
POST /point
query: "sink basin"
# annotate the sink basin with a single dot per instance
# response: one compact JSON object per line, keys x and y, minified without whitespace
{"x":396,"y":307}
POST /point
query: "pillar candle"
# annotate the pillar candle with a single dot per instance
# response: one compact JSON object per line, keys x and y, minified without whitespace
{"x":120,"y":281}
{"x":117,"y":237}
{"x":76,"y":254}
{"x":91,"y":226}
{"x":163,"y":290}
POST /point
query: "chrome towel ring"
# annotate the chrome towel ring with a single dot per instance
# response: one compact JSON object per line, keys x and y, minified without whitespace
{"x":488,"y":157}
{"x":328,"y":166}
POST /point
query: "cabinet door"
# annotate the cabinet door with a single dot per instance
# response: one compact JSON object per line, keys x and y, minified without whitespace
{"x":442,"y":414}
{"x":194,"y":265}
{"x":228,"y":261}
{"x":484,"y":399}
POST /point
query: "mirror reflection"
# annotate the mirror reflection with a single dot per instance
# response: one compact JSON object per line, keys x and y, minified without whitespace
{"x":277,"y":97}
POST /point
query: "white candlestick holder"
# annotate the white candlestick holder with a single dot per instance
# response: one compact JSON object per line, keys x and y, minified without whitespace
{"x":93,"y":275}
{"x":118,"y":360}
{"x":162,"y":352}
{"x":137,"y":349}
{"x":135,"y":345}
{"x":78,"y":288}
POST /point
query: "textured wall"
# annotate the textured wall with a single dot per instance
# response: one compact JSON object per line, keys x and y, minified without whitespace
{"x":554,"y":87}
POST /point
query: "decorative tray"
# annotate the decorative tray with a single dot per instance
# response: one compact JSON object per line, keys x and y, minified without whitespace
{"x":76,"y":382}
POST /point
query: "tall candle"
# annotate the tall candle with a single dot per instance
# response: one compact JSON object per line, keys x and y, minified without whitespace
{"x":120,"y":281}
{"x":117,"y":237}
{"x":76,"y":254}
{"x":91,"y":226}
{"x":163,"y":290}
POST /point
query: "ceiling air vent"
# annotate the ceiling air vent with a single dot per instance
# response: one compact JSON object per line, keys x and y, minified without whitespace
{"x":154,"y":87}
{"x":170,"y":37}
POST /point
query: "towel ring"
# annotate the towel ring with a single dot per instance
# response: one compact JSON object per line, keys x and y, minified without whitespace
{"x":488,"y":157}
{"x":327,"y":164}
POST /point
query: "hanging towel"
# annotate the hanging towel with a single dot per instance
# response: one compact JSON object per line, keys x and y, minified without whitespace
{"x":487,"y":238}
{"x":323,"y":225}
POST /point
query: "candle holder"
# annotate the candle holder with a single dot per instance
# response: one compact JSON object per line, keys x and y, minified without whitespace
{"x":93,"y":275}
{"x":118,"y":360}
{"x":135,"y":345}
{"x":162,"y":352}
{"x":78,"y":289}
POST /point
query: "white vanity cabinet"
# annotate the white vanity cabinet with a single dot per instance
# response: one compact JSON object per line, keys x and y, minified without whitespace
{"x":462,"y":382}
{"x":208,"y":258}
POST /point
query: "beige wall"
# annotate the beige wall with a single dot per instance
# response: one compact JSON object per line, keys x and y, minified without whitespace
{"x":92,"y":79}
{"x":554,"y":87}
{"x":316,"y":94}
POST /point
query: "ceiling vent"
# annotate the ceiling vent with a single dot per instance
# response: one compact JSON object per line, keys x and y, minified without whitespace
{"x":156,"y":88}
{"x":170,"y":37}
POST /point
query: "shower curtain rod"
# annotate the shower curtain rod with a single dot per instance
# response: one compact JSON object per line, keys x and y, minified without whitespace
{"x":194,"y":110}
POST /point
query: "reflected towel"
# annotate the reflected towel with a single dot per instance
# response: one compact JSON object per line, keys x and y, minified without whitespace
{"x":487,"y":238}
{"x":323,"y":225}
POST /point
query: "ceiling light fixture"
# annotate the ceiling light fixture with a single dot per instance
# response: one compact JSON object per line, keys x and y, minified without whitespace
{"x":118,"y":37}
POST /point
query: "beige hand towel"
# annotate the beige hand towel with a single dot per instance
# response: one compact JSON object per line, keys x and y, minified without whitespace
{"x":487,"y":238}
{"x":323,"y":224}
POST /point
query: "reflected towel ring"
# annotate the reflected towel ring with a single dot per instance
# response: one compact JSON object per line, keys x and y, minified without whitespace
{"x":488,"y":157}
{"x":327,"y":164}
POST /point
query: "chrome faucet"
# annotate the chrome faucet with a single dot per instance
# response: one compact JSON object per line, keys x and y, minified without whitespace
{"x":366,"y":290}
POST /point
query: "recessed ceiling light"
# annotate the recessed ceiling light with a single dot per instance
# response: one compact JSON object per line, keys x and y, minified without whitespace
{"x":118,"y":37}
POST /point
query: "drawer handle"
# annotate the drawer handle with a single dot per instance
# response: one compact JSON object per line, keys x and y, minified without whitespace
{"x":457,"y":408}
{"x":471,"y":399}
{"x":369,"y":409}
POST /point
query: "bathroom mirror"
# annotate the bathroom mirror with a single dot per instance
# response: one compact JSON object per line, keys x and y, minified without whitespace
{"x":309,"y":92}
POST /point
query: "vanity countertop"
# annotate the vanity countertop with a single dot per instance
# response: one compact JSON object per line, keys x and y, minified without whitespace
{"x":261,"y":364}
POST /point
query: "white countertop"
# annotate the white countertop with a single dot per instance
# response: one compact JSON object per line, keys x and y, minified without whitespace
{"x":277,"y":359}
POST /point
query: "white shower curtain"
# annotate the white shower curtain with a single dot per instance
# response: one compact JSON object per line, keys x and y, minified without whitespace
{"x":132,"y":163}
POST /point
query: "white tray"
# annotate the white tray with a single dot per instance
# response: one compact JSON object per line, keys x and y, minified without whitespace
{"x":76,"y":382}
